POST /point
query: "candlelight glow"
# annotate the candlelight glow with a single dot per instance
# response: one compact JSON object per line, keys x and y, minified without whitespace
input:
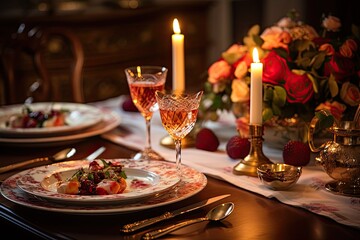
{"x":176,"y":26}
{"x":138,"y":71}
{"x":255,"y":54}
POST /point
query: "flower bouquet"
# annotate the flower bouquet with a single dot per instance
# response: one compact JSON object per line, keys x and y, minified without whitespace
{"x":304,"y":71}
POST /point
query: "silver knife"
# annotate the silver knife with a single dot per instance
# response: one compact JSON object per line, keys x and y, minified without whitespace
{"x":95,"y":154}
{"x":147,"y":222}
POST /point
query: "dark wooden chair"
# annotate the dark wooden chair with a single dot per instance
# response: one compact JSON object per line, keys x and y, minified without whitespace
{"x":34,"y":42}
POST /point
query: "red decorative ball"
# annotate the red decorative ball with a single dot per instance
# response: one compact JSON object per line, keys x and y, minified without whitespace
{"x":129,"y":106}
{"x":207,"y":140}
{"x":296,"y":153}
{"x":237,"y":147}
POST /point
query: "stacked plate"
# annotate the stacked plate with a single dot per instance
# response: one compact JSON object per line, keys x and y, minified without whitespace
{"x":82,"y":121}
{"x":160,"y":185}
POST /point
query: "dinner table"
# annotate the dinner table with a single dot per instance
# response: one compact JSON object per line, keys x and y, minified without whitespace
{"x":259,"y":213}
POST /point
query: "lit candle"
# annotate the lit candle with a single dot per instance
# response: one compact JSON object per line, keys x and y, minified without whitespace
{"x":256,"y":90}
{"x":178,"y":66}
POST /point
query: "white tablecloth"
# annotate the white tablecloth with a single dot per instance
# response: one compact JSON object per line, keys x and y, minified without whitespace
{"x":309,"y":193}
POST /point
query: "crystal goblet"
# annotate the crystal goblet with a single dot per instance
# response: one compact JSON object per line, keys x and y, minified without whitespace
{"x":143,"y":81}
{"x":178,"y":113}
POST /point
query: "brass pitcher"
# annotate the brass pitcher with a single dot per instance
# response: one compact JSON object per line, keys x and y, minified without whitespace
{"x":340,"y":158}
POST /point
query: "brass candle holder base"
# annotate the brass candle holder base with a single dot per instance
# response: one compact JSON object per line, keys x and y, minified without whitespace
{"x":248,"y":165}
{"x":187,"y":142}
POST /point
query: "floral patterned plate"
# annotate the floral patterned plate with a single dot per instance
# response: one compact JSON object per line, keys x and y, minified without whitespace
{"x":144,"y":180}
{"x":192,"y":182}
{"x":80,"y":116}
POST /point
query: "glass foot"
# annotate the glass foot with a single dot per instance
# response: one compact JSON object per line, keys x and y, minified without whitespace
{"x":148,"y":154}
{"x":342,"y":188}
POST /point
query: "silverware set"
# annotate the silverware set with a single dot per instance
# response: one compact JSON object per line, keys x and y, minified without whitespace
{"x":218,"y":213}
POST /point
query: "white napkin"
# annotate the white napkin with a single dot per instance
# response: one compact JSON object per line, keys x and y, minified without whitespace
{"x":309,"y":193}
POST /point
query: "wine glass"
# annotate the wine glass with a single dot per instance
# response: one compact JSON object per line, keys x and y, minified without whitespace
{"x":143,"y":81}
{"x":178,"y":112}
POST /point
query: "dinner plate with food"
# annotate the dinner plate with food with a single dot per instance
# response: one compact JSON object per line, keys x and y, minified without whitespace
{"x":99,"y":181}
{"x":192,"y":182}
{"x":46,"y":119}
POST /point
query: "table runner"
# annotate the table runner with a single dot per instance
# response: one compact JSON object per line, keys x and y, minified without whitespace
{"x":309,"y":193}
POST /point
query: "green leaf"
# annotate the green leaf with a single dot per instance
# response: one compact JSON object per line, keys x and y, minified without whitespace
{"x":326,"y":120}
{"x":314,"y":82}
{"x":281,"y":52}
{"x":303,"y":45}
{"x":231,"y":57}
{"x":268,"y":94}
{"x":334,"y":88}
{"x":267,"y":114}
{"x":355,"y":30}
{"x":276,"y":109}
{"x":279,"y":97}
{"x":318,"y":60}
{"x":258,"y":40}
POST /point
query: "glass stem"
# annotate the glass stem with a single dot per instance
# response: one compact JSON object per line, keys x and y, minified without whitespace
{"x":148,"y":139}
{"x":178,"y":154}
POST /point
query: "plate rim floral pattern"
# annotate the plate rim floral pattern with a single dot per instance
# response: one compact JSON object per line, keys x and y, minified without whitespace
{"x":31,"y":182}
{"x":91,"y":116}
{"x":192,"y":182}
{"x":110,"y":120}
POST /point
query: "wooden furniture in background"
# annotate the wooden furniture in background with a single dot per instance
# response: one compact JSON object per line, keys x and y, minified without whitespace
{"x":34,"y":42}
{"x":112,"y":40}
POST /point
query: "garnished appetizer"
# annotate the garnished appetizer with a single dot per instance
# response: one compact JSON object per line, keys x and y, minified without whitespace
{"x":101,"y":178}
{"x":37,"y":119}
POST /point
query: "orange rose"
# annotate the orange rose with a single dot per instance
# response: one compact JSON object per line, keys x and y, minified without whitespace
{"x":327,"y":48}
{"x":336,"y":109}
{"x":219,"y":71}
{"x":348,"y":47}
{"x":240,"y":91}
{"x":350,"y":94}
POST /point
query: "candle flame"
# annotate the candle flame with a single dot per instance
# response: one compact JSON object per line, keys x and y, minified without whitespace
{"x":138,"y":69}
{"x":176,"y":26}
{"x":255,"y":55}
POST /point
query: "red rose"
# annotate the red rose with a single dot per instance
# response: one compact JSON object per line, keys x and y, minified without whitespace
{"x":299,"y":88}
{"x":275,"y":69}
{"x":341,"y":67}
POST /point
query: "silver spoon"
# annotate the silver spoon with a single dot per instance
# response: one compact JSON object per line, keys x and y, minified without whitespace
{"x":59,"y":156}
{"x":218,"y":213}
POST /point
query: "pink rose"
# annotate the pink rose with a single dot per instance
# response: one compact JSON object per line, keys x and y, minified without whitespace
{"x":219,"y":71}
{"x":327,"y":48}
{"x":275,"y":37}
{"x":350,"y":94}
{"x":275,"y":69}
{"x":299,"y":88}
{"x":336,"y":109}
{"x":331,"y":23}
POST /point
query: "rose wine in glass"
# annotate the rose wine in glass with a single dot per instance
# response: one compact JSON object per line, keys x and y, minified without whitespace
{"x":178,"y":112}
{"x":143,"y":82}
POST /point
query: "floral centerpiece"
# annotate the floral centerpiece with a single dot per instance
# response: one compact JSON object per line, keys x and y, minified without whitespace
{"x":304,"y":71}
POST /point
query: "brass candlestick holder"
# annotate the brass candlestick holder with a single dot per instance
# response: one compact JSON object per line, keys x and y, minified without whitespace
{"x":256,"y":157}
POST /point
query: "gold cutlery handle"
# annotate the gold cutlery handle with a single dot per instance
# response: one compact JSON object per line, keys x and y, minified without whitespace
{"x":21,"y":164}
{"x":162,"y":231}
{"x":131,"y":227}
